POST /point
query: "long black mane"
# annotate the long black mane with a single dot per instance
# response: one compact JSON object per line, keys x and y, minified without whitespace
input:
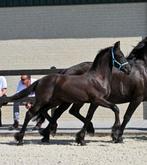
{"x":138,"y":53}
{"x":98,"y":56}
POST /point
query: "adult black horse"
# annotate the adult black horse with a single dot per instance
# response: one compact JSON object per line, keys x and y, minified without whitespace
{"x":131,"y":88}
{"x":92,"y":87}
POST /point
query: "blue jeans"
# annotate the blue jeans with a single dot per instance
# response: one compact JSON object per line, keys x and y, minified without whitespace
{"x":16,"y":111}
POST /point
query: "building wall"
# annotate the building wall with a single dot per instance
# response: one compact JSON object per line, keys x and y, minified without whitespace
{"x":39,"y":37}
{"x":82,"y":21}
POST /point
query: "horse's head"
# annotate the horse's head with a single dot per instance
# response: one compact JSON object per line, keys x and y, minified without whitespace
{"x":119,"y":60}
{"x":140,"y":51}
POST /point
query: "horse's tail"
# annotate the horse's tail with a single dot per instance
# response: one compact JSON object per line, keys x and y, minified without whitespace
{"x":25,"y":92}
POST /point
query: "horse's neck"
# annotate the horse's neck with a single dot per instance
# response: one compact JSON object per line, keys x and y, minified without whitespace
{"x":102,"y":66}
{"x":140,"y":67}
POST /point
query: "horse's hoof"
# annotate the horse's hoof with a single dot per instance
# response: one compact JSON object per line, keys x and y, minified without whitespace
{"x":113,"y":137}
{"x":82,"y":143}
{"x":91,"y":134}
{"x":80,"y":140}
{"x":42,"y":132}
{"x":90,"y":129}
{"x":118,"y":140}
{"x":53,"y":129}
{"x":16,"y":136}
{"x":20,"y":143}
{"x":53,"y":133}
{"x":19,"y":138}
{"x":45,"y":140}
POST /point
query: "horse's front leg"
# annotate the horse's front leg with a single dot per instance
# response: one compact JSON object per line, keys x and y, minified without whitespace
{"x":116,"y":125}
{"x":75,"y":112}
{"x":103,"y":102}
{"x":81,"y":134}
{"x":29,"y":114}
{"x":130,"y":110}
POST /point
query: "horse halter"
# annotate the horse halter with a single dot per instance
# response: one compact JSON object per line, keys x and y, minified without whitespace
{"x":114,"y":61}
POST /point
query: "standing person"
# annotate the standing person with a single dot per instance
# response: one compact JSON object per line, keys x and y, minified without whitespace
{"x":3,"y":91}
{"x":25,"y":81}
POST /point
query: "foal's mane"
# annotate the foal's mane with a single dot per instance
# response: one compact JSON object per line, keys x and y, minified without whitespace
{"x":98,"y":56}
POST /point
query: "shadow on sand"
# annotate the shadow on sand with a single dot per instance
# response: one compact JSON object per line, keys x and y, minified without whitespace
{"x":61,"y":141}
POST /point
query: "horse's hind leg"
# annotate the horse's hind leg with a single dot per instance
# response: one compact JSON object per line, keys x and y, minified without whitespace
{"x":45,"y":132}
{"x":56,"y":115}
{"x":81,"y":134}
{"x":29,"y":114}
{"x":52,"y":126}
{"x":74,"y":110}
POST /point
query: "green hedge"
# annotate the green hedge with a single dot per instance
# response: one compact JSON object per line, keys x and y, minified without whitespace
{"x":13,"y":3}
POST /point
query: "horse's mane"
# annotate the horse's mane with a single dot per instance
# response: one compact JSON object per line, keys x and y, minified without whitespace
{"x":99,"y":54}
{"x":136,"y":53}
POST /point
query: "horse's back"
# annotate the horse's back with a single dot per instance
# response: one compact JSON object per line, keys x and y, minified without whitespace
{"x":78,"y":69}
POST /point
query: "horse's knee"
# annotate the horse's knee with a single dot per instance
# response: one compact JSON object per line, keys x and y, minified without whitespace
{"x":115,"y":109}
{"x":74,"y":110}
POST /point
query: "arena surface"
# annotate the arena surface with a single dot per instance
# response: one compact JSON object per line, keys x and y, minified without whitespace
{"x":63,"y":150}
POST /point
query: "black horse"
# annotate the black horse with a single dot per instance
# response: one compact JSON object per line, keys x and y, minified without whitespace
{"x":92,"y":87}
{"x":124,"y":89}
{"x":131,"y":88}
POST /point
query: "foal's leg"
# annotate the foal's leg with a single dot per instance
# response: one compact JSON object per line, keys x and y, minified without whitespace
{"x":75,"y":112}
{"x":52,"y":126}
{"x":58,"y":112}
{"x":130,"y":110}
{"x":29,"y":114}
{"x":104,"y":103}
{"x":81,"y":134}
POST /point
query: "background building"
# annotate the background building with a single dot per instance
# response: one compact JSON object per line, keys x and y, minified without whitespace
{"x":42,"y":33}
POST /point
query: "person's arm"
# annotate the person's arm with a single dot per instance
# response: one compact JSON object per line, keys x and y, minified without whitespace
{"x":4,"y":87}
{"x":20,"y":87}
{"x":4,"y":91}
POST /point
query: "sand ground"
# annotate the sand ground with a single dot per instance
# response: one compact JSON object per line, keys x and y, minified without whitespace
{"x":63,"y":150}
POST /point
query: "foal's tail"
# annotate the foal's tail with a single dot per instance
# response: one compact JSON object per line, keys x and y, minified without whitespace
{"x":19,"y":95}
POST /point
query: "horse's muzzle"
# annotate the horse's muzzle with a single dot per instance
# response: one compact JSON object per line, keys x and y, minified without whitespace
{"x":126,"y":69}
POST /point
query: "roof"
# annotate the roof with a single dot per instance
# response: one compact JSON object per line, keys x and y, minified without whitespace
{"x":15,"y":3}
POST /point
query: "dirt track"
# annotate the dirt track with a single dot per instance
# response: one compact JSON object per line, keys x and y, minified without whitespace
{"x":63,"y":150}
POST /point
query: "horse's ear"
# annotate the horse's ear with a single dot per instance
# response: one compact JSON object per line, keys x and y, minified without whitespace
{"x":117,"y":45}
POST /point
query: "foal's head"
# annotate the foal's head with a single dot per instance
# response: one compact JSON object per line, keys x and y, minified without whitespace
{"x":119,"y":60}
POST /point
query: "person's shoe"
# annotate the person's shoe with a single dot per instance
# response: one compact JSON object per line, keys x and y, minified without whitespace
{"x":15,"y":125}
{"x":37,"y":126}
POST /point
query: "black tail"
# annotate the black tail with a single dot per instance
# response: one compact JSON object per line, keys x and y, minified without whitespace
{"x":19,"y":95}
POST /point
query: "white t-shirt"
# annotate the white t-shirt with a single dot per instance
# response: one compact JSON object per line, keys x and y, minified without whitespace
{"x":21,"y":86}
{"x":3,"y":82}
